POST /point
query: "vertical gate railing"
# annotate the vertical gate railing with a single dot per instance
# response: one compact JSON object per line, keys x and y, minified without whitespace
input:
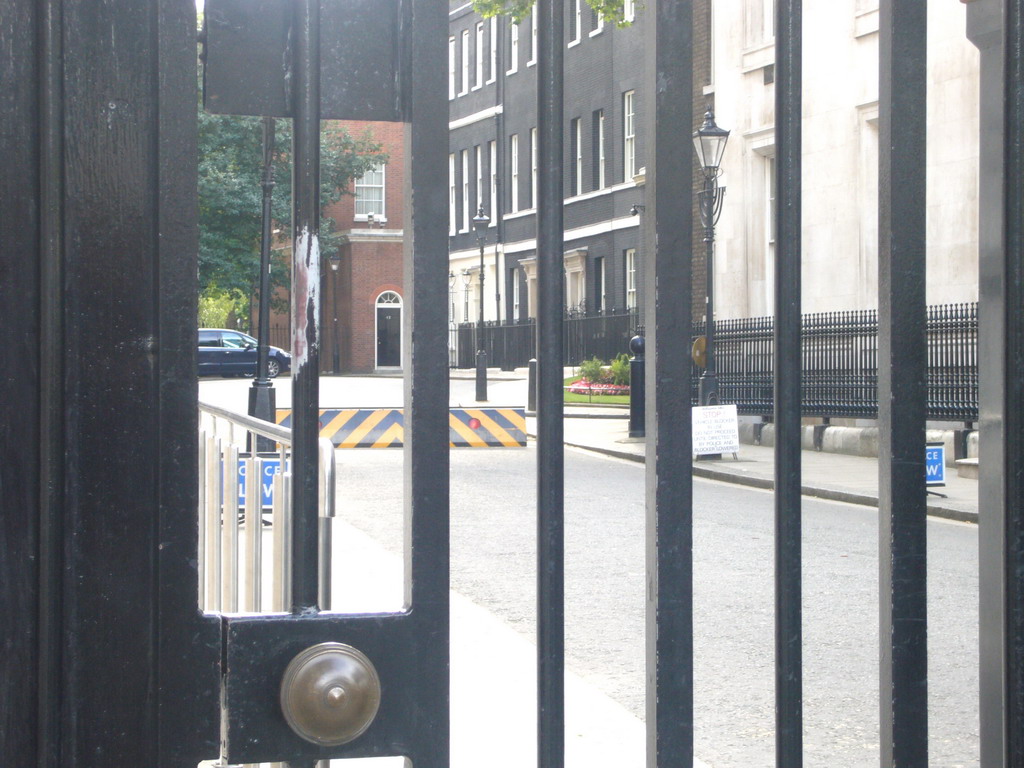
{"x":245,"y":560}
{"x":235,"y":564}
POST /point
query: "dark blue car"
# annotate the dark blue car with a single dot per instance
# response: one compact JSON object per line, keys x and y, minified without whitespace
{"x":223,"y":352}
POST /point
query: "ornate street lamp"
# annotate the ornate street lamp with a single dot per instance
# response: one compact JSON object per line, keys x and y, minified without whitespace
{"x":709,"y":142}
{"x":262,"y":399}
{"x":480,"y":223}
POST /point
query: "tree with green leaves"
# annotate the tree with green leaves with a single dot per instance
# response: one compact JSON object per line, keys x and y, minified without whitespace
{"x":609,"y":10}
{"x":231,"y":200}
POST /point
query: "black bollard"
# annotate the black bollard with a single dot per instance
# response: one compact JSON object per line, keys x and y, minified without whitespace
{"x":531,"y":389}
{"x":637,"y":409}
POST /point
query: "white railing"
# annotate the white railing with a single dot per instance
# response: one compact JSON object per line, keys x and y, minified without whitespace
{"x":241,"y":572}
{"x":245,"y":558}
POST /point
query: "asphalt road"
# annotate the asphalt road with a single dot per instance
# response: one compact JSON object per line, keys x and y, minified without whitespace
{"x":493,"y":559}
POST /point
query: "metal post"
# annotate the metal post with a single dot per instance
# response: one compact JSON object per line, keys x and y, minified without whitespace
{"x":637,"y":412}
{"x":305,"y":302}
{"x":531,"y":387}
{"x":710,"y":206}
{"x":668,"y":284}
{"x":787,"y":360}
{"x":262,"y":400}
{"x":481,"y":353}
{"x":902,"y":378}
{"x":708,"y":385}
{"x":1011,"y":557}
{"x":550,"y":398}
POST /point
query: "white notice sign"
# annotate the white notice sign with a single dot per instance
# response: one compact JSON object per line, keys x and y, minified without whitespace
{"x":715,"y":430}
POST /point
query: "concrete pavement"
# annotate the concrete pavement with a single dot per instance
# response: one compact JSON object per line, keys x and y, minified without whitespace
{"x":492,"y":683}
{"x":834,"y":476}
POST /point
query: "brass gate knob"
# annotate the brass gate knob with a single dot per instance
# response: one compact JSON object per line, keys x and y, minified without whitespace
{"x":330,"y":694}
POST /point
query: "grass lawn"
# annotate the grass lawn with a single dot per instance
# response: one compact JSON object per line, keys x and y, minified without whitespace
{"x":593,"y":399}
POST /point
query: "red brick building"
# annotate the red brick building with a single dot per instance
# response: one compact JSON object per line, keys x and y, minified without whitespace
{"x":362,"y":298}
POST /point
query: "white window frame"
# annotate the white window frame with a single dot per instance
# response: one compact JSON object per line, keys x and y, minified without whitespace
{"x":630,"y":258}
{"x":628,"y":135}
{"x":493,"y":72}
{"x":451,"y":194}
{"x":493,"y":153}
{"x":479,"y":177}
{"x":533,"y":36}
{"x":533,"y":167}
{"x":379,"y":213}
{"x":575,"y":21}
{"x":465,"y":63}
{"x":515,"y":293}
{"x":465,"y":191}
{"x":601,"y":287}
{"x":479,"y":82}
{"x":577,"y":159}
{"x":513,"y":54}
{"x":514,"y":172}
{"x":602,"y":180}
{"x":598,"y":25}
{"x":759,"y":23}
{"x":451,"y":68}
{"x":629,"y":10}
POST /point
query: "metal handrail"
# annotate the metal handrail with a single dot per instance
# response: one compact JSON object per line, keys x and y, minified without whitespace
{"x":259,"y":427}
{"x":233,"y":562}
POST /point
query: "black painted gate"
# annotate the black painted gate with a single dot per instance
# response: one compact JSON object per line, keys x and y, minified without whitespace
{"x":106,"y":660}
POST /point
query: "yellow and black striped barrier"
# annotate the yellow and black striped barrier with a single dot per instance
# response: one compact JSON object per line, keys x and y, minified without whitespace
{"x":385,"y":427}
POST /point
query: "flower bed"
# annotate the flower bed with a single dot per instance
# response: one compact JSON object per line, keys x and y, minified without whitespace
{"x":585,"y":387}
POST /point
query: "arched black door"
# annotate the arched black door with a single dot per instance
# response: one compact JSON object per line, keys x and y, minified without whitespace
{"x":389,"y":330}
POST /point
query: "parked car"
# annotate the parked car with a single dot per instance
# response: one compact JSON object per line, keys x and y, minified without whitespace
{"x":223,"y":352}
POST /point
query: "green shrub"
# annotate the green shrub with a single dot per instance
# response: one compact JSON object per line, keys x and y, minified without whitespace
{"x":593,"y":370}
{"x":620,"y":370}
{"x":220,"y":310}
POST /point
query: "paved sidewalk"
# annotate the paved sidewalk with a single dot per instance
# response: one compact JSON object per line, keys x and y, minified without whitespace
{"x":834,"y":476}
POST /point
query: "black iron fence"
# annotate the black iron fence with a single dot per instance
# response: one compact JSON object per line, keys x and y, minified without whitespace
{"x":512,"y":346}
{"x":839,"y":351}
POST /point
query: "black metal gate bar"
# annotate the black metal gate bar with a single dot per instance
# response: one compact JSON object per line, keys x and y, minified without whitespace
{"x":1013,"y":386}
{"x":305,"y":82}
{"x":550,"y":450}
{"x":668,"y":284}
{"x":787,"y":348}
{"x":425,"y":272}
{"x":51,"y":482}
{"x":902,"y":383}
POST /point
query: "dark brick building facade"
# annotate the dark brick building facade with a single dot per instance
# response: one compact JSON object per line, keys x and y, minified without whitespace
{"x":361,"y":285}
{"x":493,"y":113}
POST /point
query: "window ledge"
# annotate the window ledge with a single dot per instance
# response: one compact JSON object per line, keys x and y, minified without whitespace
{"x":595,"y":32}
{"x":758,"y":57}
{"x":573,"y":43}
{"x":865,"y":23}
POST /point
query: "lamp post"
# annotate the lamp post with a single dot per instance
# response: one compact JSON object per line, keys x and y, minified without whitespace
{"x":261,"y":394}
{"x":335,"y":261}
{"x":709,"y":142}
{"x":480,"y":222}
{"x":452,"y":360}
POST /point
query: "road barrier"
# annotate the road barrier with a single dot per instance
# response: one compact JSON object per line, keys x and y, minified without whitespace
{"x":385,"y":427}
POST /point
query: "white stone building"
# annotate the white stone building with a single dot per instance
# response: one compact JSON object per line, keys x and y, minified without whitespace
{"x":840,"y":155}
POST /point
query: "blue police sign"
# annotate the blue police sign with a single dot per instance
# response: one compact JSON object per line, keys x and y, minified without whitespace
{"x":271,"y":467}
{"x":935,"y":464}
